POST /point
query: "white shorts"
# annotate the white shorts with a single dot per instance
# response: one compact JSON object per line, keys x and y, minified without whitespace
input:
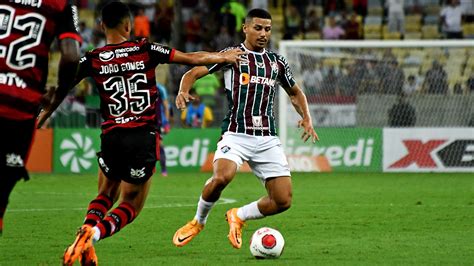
{"x":264,"y":154}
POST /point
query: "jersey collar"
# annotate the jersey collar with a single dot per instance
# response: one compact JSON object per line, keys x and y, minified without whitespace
{"x":253,"y":52}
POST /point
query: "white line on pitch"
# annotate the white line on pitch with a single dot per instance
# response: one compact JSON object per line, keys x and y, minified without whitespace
{"x":170,"y":205}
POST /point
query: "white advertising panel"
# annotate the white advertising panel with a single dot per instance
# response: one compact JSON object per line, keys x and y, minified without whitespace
{"x":428,"y":149}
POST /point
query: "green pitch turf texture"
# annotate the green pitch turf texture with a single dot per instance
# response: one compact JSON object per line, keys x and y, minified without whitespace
{"x":336,"y":219}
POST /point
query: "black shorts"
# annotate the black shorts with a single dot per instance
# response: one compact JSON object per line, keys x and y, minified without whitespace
{"x":15,"y":143}
{"x":129,"y":154}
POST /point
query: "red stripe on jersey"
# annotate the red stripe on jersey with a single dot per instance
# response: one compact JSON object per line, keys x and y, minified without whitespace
{"x":249,"y":102}
{"x":14,"y":114}
{"x":265,"y":100}
{"x":158,"y":144}
{"x":172,"y":54}
{"x":26,"y":95}
{"x":70,"y":35}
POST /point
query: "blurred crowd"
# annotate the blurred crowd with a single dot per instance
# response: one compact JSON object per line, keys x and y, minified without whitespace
{"x":409,"y":71}
{"x":211,"y":25}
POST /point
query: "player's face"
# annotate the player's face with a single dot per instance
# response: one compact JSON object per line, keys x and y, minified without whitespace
{"x":258,"y":32}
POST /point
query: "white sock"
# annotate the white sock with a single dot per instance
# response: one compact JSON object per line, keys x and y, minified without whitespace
{"x":96,"y":236}
{"x":249,"y":212}
{"x":203,"y":210}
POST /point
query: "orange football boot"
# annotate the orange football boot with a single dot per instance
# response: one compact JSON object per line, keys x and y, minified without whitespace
{"x":186,"y":233}
{"x":235,"y":228}
{"x":81,"y":244}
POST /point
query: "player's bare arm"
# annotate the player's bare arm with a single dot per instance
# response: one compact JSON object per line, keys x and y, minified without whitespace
{"x":66,"y":79}
{"x":186,"y":84}
{"x":205,"y":58}
{"x":300,"y":103}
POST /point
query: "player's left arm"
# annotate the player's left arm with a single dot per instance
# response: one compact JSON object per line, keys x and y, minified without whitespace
{"x":298,"y":99}
{"x":300,"y":103}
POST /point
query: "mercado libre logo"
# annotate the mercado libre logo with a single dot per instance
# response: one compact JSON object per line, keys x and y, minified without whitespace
{"x":77,"y":152}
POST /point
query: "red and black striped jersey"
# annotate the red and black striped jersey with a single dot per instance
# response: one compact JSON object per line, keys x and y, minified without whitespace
{"x":251,"y":88}
{"x":125,"y":78}
{"x":27,"y":29}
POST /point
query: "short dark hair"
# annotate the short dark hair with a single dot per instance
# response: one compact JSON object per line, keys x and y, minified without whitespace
{"x":257,"y":13}
{"x":114,"y":13}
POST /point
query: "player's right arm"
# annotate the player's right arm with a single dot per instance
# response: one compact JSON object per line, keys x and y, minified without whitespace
{"x":63,"y":89}
{"x":69,"y":43}
{"x":206,"y":58}
{"x":186,"y":84}
{"x":68,"y":64}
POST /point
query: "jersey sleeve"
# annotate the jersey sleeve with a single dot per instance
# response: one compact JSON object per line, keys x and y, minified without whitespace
{"x":160,"y":54}
{"x":68,"y":23}
{"x":84,"y":69}
{"x":285,"y":77}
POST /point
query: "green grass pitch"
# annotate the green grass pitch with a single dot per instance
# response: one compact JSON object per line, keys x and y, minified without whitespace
{"x":336,"y":219}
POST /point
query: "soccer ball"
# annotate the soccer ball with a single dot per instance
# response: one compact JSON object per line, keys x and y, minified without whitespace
{"x":267,"y":243}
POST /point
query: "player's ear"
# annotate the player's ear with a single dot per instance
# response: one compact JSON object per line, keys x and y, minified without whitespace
{"x":128,"y":26}
{"x":102,"y":26}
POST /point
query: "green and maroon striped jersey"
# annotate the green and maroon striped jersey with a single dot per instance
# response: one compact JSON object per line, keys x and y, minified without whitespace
{"x":251,"y":88}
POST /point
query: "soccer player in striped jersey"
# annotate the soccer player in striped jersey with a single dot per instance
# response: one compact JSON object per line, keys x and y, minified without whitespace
{"x":124,"y":72}
{"x":27,"y":29}
{"x":249,"y":130}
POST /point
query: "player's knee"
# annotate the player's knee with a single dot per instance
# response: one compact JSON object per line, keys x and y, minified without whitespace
{"x":283,"y":204}
{"x":222,"y":179}
{"x":219,"y":182}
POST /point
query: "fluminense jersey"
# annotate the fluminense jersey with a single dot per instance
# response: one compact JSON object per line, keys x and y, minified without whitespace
{"x":251,"y":88}
{"x":27,"y":29}
{"x":125,"y":78}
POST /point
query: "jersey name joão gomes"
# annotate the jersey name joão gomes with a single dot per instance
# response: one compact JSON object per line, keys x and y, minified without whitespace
{"x":251,"y":88}
{"x":27,"y":29}
{"x":125,"y":78}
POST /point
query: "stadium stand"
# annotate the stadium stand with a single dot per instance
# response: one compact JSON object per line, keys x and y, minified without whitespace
{"x":422,"y":21}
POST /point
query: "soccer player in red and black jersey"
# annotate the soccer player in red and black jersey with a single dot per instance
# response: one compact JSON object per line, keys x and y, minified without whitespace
{"x":249,"y":130}
{"x":27,"y":29}
{"x":124,"y":72}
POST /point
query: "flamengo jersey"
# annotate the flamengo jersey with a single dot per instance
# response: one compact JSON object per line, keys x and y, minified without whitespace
{"x":251,"y":88}
{"x":125,"y":78}
{"x":27,"y":29}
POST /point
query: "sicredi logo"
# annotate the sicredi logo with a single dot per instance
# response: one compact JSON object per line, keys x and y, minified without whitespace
{"x":77,"y":152}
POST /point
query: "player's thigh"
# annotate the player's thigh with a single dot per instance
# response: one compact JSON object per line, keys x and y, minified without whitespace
{"x":280,"y":189}
{"x":108,"y":186}
{"x":129,"y":155}
{"x":235,"y":147}
{"x":225,"y":169}
{"x":135,"y":194}
{"x":270,"y":163}
{"x":15,"y":144}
